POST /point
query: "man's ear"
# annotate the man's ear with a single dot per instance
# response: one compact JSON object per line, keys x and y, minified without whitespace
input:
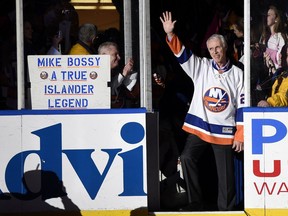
{"x":93,"y":39}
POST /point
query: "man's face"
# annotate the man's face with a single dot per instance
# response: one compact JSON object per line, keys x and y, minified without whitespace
{"x":217,"y":51}
{"x":114,"y":56}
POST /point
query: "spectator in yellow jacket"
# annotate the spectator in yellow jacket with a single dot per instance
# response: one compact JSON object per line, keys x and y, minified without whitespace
{"x":279,"y":96}
{"x":86,"y":35}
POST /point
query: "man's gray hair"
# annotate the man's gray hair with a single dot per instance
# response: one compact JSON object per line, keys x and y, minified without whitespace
{"x":106,"y":45}
{"x":87,"y":32}
{"x":219,"y":37}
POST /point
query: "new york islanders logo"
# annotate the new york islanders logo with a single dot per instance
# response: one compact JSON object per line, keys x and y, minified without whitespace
{"x":216,"y":99}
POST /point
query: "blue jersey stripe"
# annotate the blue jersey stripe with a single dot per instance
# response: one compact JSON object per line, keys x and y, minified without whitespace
{"x":212,"y":128}
{"x":186,"y":54}
{"x":239,"y":115}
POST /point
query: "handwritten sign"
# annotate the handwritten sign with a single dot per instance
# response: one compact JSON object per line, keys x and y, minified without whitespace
{"x":69,"y":82}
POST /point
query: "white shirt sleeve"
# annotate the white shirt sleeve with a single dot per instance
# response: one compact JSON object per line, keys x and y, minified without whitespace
{"x":130,"y":80}
{"x":53,"y":51}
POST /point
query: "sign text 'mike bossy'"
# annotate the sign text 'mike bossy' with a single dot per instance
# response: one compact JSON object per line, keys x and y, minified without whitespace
{"x":69,"y":82}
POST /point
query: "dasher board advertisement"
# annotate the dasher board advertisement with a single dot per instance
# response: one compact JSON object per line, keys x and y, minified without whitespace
{"x":69,"y":81}
{"x":266,"y":161}
{"x":85,"y":160}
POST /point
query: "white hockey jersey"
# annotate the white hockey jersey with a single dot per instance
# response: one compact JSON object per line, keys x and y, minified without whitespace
{"x":215,"y":113}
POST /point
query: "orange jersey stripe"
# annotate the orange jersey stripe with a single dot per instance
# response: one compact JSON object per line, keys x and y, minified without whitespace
{"x":239,"y":135}
{"x":209,"y":138}
{"x":175,"y":44}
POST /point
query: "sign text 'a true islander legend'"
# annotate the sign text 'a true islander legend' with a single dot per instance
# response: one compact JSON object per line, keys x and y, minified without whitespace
{"x":69,"y":82}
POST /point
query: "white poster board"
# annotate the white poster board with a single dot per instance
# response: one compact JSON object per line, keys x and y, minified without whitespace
{"x":266,"y":161}
{"x":69,"y":81}
{"x":98,"y":155}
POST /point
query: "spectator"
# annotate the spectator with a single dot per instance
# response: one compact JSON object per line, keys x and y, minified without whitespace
{"x":257,"y":68}
{"x":211,"y":119}
{"x":61,"y":16}
{"x":273,"y":35}
{"x":279,"y":94}
{"x":68,"y":25}
{"x":55,"y":48}
{"x":29,"y":49}
{"x":238,"y":28}
{"x":270,"y":45}
{"x":176,"y":90}
{"x":124,"y":86}
{"x":87,"y":34}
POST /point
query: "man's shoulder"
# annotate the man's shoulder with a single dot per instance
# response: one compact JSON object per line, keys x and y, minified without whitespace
{"x":238,"y":67}
{"x":78,"y":49}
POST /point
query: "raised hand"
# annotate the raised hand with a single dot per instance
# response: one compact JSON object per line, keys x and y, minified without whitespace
{"x":168,"y":24}
{"x":128,"y":67}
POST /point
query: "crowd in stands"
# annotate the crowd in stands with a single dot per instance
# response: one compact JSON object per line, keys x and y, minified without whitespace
{"x":49,"y":28}
{"x":269,"y":59}
{"x":52,"y":28}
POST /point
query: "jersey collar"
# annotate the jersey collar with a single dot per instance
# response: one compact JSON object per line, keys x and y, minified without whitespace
{"x":222,"y":69}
